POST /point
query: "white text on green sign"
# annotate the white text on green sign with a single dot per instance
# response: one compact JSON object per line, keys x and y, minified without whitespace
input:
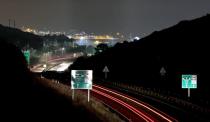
{"x":27,"y":56}
{"x":189,"y":81}
{"x":81,"y":79}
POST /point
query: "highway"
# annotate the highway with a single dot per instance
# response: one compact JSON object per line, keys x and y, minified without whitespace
{"x":130,"y":108}
{"x":55,"y":64}
{"x":134,"y":110}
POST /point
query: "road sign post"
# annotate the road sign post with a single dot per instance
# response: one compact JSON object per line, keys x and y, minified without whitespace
{"x":88,"y":95}
{"x":27,"y":56}
{"x":162,"y":71}
{"x":189,"y":82}
{"x":81,"y":79}
{"x":105,"y":70}
{"x":72,"y":94}
{"x":105,"y":75}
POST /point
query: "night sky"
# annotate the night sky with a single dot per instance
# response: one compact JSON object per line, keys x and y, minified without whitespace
{"x":138,"y":17}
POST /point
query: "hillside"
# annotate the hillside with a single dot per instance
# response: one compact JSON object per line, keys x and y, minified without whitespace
{"x":58,"y":38}
{"x":180,"y":49}
{"x":24,"y":98}
{"x":20,"y":38}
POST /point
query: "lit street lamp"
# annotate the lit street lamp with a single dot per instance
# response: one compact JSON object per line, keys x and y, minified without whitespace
{"x":62,"y":50}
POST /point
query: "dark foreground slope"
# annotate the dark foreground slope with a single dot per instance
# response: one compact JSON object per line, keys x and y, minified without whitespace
{"x":181,"y":49}
{"x":22,"y":98}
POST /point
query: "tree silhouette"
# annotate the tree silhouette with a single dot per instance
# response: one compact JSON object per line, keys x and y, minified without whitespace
{"x":101,"y":47}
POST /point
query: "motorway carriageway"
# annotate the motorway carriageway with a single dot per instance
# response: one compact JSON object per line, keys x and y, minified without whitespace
{"x":132,"y":109}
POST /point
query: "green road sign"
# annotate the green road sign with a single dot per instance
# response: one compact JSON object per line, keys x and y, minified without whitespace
{"x":81,"y":79}
{"x":189,"y":81}
{"x":27,"y":56}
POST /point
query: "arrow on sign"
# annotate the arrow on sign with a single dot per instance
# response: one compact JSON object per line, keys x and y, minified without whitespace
{"x":105,"y":70}
{"x":162,"y":71}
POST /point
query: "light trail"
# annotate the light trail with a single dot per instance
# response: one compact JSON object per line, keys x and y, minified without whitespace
{"x":126,"y":97}
{"x":134,"y":110}
{"x":60,"y":67}
{"x":58,"y":59}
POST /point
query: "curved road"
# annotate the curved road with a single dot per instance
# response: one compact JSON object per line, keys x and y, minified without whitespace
{"x":133,"y":109}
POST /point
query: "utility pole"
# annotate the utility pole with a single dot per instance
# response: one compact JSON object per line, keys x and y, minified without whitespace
{"x":14,"y":23}
{"x":9,"y":22}
{"x":130,"y":37}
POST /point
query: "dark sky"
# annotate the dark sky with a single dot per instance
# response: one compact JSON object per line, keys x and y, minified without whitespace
{"x":139,"y":17}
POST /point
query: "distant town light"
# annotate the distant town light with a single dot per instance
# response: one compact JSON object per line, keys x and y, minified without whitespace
{"x":97,"y":42}
{"x":69,"y":36}
{"x":136,"y":38}
{"x":82,"y":37}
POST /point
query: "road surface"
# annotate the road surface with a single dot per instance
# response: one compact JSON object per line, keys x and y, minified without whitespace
{"x":130,"y":108}
{"x":57,"y":64}
{"x":133,"y":109}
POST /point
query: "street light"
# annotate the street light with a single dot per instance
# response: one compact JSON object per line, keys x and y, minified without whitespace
{"x":63,"y":50}
{"x":46,"y":54}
